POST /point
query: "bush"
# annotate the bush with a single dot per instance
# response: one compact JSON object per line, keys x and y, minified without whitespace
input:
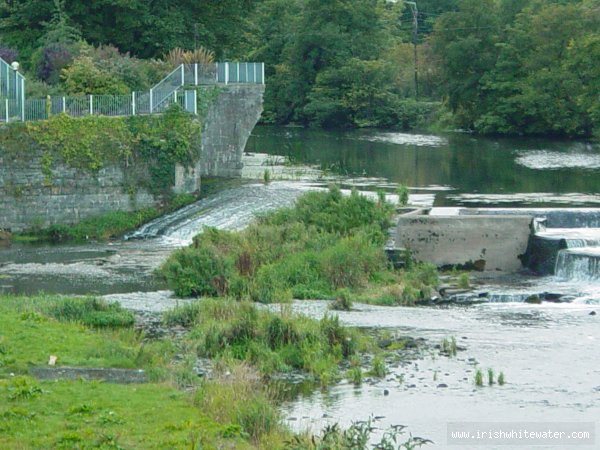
{"x":343,"y":301}
{"x":352,"y":261}
{"x":84,"y":77}
{"x":91,"y":312}
{"x":52,"y":59}
{"x":197,"y":272}
{"x":8,"y":54}
{"x":226,"y":329}
{"x":378,"y":370}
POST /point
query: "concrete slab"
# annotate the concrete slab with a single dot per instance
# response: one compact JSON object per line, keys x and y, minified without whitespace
{"x":489,"y":243}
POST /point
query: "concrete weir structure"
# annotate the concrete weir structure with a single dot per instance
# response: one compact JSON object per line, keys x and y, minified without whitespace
{"x":491,"y":243}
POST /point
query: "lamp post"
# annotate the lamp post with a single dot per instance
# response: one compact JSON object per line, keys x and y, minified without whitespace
{"x":415,"y":13}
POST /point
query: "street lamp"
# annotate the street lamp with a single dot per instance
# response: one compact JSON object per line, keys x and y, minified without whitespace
{"x":415,"y":13}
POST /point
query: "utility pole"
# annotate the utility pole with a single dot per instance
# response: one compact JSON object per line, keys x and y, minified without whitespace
{"x":415,"y":13}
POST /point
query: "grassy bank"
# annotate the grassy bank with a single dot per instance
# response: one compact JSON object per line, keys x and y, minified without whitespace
{"x":104,"y":226}
{"x":326,"y":246}
{"x":232,"y":409}
{"x":78,"y":414}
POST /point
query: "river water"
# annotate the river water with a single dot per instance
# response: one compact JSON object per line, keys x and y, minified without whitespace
{"x":547,"y":352}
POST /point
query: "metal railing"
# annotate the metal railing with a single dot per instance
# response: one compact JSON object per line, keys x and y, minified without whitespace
{"x":205,"y":74}
{"x":12,"y":92}
{"x":170,"y":90}
{"x":101,"y":105}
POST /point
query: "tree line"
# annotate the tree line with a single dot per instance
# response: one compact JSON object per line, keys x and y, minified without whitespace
{"x":491,"y":66}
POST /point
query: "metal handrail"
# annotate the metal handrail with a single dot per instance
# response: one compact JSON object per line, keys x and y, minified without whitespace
{"x":170,"y":90}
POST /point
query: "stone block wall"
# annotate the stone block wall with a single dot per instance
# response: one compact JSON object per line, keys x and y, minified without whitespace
{"x":28,"y":199}
{"x":229,"y":122}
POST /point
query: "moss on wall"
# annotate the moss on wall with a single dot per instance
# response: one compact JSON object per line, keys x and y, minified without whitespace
{"x":93,"y":142}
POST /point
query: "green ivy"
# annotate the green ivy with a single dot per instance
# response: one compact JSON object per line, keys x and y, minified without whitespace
{"x":93,"y":142}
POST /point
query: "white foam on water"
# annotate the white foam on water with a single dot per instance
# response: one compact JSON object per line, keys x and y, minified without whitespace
{"x":552,"y":160}
{"x":419,"y":140}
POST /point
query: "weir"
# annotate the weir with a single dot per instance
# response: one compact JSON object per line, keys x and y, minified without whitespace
{"x":562,"y":242}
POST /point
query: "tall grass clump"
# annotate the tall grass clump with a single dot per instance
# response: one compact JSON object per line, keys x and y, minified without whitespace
{"x":326,"y":242}
{"x":402,"y":192}
{"x":478,"y":378}
{"x":378,"y":367}
{"x":501,"y":379}
{"x":236,"y":395}
{"x":232,"y":330}
{"x":92,"y":312}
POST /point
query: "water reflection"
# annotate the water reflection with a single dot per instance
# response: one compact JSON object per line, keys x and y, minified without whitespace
{"x":469,"y":164}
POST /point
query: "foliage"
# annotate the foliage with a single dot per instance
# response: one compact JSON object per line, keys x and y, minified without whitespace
{"x":325,"y":242}
{"x":501,"y":379}
{"x":478,"y":378}
{"x":199,"y":272}
{"x":355,"y":375}
{"x":378,"y":367}
{"x":91,"y":142}
{"x":227,"y":329}
{"x":8,"y":54}
{"x":51,"y":59}
{"x":91,"y":312}
{"x":463,"y":281}
{"x":146,"y":30}
{"x":509,"y":66}
{"x":343,"y":301}
{"x":200,"y":55}
{"x":357,"y":437}
{"x":403,"y":195}
{"x":83,"y":77}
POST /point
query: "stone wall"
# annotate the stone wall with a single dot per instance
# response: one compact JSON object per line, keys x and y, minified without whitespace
{"x":229,"y":122}
{"x":28,"y":199}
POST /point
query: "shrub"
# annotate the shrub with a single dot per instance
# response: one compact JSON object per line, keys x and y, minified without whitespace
{"x":463,"y":281}
{"x":378,"y":370}
{"x":501,"y":379}
{"x":185,"y":316}
{"x":52,"y":59}
{"x":199,"y":55}
{"x":226,"y":329}
{"x":351,"y":262}
{"x":8,"y":54}
{"x":479,"y":378}
{"x":198,"y":271}
{"x":91,"y":312}
{"x":355,"y":375}
{"x":402,"y":192}
{"x":342,"y":301}
{"x":84,"y":77}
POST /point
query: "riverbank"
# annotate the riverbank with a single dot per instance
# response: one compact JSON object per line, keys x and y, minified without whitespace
{"x":229,"y":406}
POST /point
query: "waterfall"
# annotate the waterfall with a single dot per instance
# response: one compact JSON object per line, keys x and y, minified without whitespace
{"x":581,"y":243}
{"x":578,"y":266}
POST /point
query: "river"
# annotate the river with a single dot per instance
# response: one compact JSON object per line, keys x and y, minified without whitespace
{"x":547,"y":352}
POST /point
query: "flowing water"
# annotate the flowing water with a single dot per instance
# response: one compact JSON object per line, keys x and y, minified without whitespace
{"x":546,"y":351}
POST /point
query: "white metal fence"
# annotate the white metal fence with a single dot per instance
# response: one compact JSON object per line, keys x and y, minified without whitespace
{"x":101,"y":105}
{"x":12,"y":93}
{"x":169,"y":91}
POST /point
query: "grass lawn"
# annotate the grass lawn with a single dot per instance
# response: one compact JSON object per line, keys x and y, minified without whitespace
{"x":99,"y":415}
